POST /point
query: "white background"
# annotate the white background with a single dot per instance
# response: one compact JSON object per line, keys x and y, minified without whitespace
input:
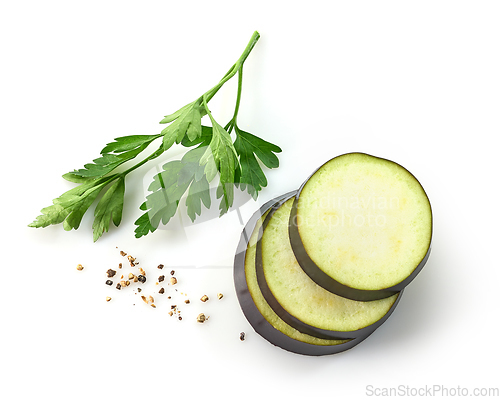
{"x":415,"y":82}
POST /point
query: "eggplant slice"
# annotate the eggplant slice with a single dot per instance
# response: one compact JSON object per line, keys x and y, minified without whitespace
{"x":361,"y":227}
{"x":298,"y":300}
{"x":258,"y":312}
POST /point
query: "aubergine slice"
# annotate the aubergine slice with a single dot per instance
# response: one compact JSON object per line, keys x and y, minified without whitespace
{"x":297,"y":299}
{"x":255,"y":308}
{"x":361,"y":227}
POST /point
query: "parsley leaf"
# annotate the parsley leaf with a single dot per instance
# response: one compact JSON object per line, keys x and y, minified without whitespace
{"x":70,"y":207}
{"x":110,"y":207}
{"x":184,"y":122}
{"x":169,"y":186}
{"x":128,"y":148}
{"x":250,"y":175}
{"x":161,"y":204}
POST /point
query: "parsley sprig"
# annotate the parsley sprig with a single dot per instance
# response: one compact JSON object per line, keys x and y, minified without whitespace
{"x":212,"y":152}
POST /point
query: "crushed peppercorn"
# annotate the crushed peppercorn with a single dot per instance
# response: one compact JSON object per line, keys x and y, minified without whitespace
{"x":201,"y":318}
{"x":161,"y":278}
{"x":160,"y":266}
{"x":173,"y":281}
{"x":109,"y":282}
{"x":242,"y":336}
{"x":141,"y":278}
{"x":79,"y":267}
{"x":161,"y":291}
{"x":204,"y":298}
{"x":220,"y":296}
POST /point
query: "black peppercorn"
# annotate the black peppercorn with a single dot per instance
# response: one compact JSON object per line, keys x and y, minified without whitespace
{"x":141,"y":278}
{"x":109,"y":282}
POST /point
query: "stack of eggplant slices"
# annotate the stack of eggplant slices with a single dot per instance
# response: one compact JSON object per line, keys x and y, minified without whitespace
{"x":319,"y":269}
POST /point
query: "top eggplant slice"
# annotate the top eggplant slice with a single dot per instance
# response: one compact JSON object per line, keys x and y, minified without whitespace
{"x":301,"y":302}
{"x":361,"y":227}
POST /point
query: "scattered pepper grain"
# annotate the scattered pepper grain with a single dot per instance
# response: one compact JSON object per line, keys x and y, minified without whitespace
{"x":201,"y":318}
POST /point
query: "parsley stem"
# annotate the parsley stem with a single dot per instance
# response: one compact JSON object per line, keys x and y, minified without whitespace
{"x":238,"y":98}
{"x":152,"y":156}
{"x":235,"y":68}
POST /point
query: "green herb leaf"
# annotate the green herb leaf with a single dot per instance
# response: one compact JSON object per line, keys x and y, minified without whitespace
{"x":185,"y":122}
{"x":221,"y":156}
{"x":127,"y":143}
{"x":199,"y":192}
{"x":169,"y":186}
{"x":110,"y":207}
{"x":128,"y":147}
{"x":250,"y":175}
{"x":70,"y":207}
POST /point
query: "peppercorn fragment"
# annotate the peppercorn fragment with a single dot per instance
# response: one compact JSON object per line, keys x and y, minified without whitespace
{"x":108,"y":298}
{"x":161,"y":278}
{"x":220,"y":296}
{"x":201,"y":318}
{"x":109,"y":282}
{"x":161,"y":291}
{"x":160,"y":266}
{"x":79,"y":267}
{"x":242,"y":336}
{"x":141,"y":278}
{"x":204,"y":298}
{"x":173,"y":281}
{"x":110,"y":272}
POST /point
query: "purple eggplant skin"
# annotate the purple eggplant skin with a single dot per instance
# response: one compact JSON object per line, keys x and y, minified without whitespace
{"x":290,"y":319}
{"x":326,"y":281}
{"x":252,"y":314}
